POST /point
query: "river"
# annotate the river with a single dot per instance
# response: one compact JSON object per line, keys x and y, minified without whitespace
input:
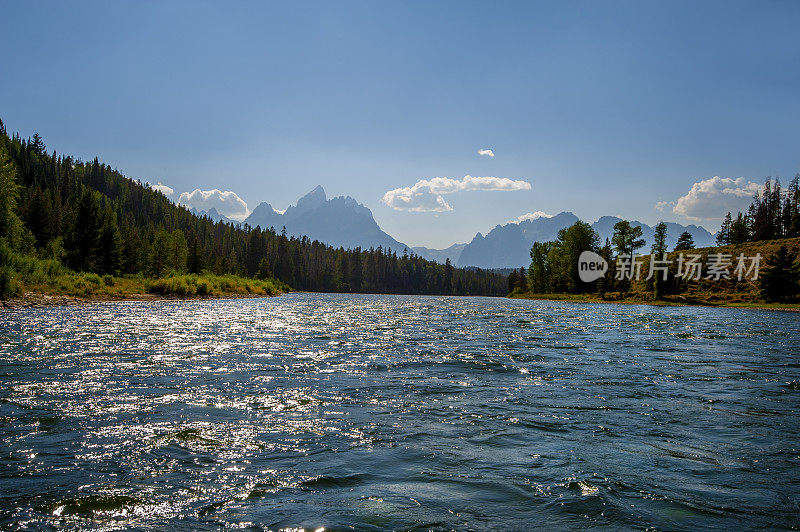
{"x":372,"y":412}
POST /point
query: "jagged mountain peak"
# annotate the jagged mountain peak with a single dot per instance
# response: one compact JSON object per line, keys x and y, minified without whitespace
{"x":313,"y":199}
{"x":339,"y":221}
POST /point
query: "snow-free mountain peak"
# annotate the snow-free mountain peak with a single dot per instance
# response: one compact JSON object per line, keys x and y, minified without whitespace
{"x":341,"y":221}
{"x":313,"y":200}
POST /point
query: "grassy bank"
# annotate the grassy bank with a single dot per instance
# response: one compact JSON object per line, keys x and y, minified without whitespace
{"x":665,"y":301}
{"x":29,"y":277}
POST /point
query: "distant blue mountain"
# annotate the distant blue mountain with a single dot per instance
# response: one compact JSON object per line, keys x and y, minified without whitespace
{"x":214,"y":215}
{"x":440,"y":255}
{"x":339,"y":222}
{"x":508,"y":246}
{"x":702,"y":238}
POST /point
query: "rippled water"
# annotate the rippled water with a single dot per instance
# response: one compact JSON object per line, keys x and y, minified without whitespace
{"x":398,"y":412}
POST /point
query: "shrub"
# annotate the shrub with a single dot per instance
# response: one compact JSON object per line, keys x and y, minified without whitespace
{"x":203,"y":287}
{"x":8,"y":285}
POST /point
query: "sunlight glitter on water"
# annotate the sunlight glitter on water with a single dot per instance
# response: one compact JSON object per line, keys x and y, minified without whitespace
{"x":378,"y":412}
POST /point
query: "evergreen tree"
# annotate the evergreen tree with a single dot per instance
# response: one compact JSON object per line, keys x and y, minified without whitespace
{"x":658,"y":252}
{"x":513,"y":278}
{"x":724,"y":233}
{"x":791,"y":212}
{"x":84,"y":249}
{"x":659,"y":246}
{"x":740,"y":230}
{"x":448,"y":276}
{"x":264,"y":272}
{"x":132,"y":252}
{"x":781,"y":280}
{"x":685,"y":242}
{"x":522,"y":280}
{"x":10,"y":224}
{"x":162,"y":256}
{"x":37,"y":144}
{"x":110,"y":245}
{"x":195,"y":262}
{"x":178,"y":251}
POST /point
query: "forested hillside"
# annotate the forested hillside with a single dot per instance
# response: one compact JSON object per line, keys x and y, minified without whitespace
{"x":742,"y":273}
{"x":89,"y":217}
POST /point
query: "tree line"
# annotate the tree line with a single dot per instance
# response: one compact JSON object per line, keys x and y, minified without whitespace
{"x":92,"y":218}
{"x":773,"y":214}
{"x":554,"y":265}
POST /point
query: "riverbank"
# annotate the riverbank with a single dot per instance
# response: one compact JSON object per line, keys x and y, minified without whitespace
{"x":37,"y":300}
{"x":79,"y":288}
{"x":673,"y":301}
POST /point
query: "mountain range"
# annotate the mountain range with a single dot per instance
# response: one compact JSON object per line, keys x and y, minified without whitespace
{"x":508,"y":246}
{"x":343,"y":222}
{"x":339,"y":221}
{"x":440,"y":255}
{"x":214,"y":215}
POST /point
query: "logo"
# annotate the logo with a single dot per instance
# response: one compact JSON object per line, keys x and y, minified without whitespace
{"x":591,"y":266}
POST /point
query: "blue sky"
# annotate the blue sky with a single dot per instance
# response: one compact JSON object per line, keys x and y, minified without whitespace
{"x":603,"y":108}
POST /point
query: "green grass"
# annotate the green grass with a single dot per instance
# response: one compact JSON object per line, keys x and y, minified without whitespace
{"x":213,"y":285}
{"x":666,"y":301}
{"x":24,"y":273}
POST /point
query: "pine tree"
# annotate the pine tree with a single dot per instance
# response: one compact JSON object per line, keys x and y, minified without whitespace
{"x":178,"y":251}
{"x":740,"y":230}
{"x":264,"y":272}
{"x":162,"y":242}
{"x":110,"y":243}
{"x":85,"y":236}
{"x":792,"y":208}
{"x":659,"y":246}
{"x":781,"y":280}
{"x":10,"y":224}
{"x":522,"y":280}
{"x":513,"y":278}
{"x":131,"y":251}
{"x":685,"y":242}
{"x":194,"y":260}
{"x":448,"y":276}
{"x":37,"y":144}
{"x":658,"y":250}
{"x":724,"y":233}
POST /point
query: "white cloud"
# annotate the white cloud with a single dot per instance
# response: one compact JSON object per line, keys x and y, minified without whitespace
{"x":712,"y":198}
{"x":226,"y":202}
{"x":531,"y":216}
{"x":664,"y":205}
{"x":426,"y":195}
{"x":164,"y":189}
{"x":486,"y":151}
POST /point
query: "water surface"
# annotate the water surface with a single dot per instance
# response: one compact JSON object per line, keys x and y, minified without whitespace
{"x":398,"y":412}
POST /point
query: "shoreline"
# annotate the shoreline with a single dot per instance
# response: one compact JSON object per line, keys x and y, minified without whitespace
{"x":574,"y":298}
{"x":42,"y":300}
